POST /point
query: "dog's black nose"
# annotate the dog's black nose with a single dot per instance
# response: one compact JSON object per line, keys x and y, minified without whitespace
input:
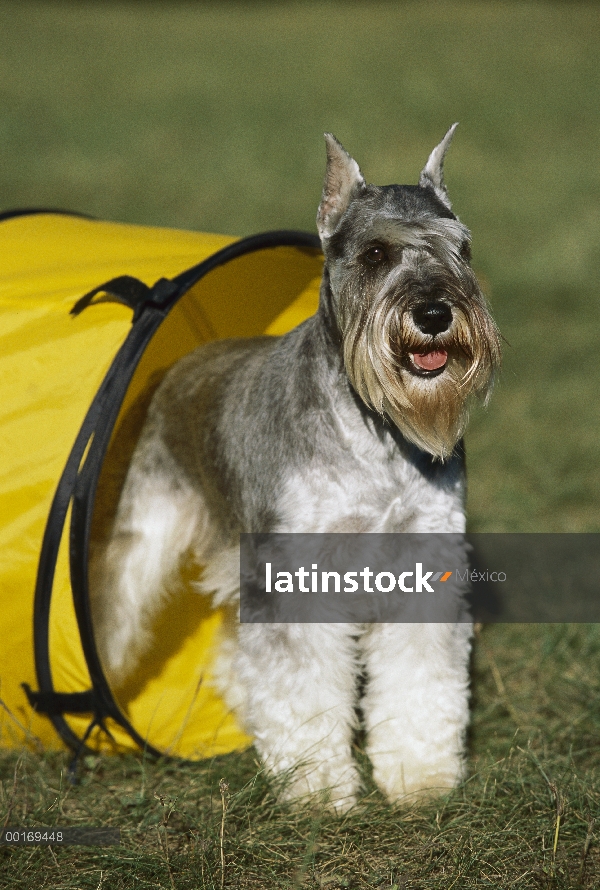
{"x":432,"y":318}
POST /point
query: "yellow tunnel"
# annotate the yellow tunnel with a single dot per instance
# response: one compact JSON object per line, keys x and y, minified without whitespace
{"x":52,"y":365}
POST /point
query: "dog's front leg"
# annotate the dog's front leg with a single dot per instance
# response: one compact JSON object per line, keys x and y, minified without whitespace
{"x":300,"y":681}
{"x":416,"y":706}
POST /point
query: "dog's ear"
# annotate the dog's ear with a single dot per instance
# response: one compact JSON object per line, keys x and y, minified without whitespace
{"x":342,"y":179}
{"x":432,"y":174}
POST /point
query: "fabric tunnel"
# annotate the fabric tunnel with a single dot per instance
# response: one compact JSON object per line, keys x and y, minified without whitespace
{"x":92,"y":315}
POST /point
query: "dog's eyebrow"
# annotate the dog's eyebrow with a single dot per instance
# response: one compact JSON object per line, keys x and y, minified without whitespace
{"x":418,"y":233}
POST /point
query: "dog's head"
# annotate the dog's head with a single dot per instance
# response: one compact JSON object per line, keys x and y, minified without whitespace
{"x":418,"y":338}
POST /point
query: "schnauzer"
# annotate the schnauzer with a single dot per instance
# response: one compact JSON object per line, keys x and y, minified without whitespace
{"x":349,"y":423}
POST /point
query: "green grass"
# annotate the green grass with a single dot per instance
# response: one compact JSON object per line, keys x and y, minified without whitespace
{"x":534,"y":756}
{"x":209,"y":116}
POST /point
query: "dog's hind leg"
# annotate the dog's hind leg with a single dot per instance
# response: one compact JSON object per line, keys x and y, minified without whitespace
{"x":157,"y":518}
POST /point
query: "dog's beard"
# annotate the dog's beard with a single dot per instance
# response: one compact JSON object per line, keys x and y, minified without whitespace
{"x":429,"y":408}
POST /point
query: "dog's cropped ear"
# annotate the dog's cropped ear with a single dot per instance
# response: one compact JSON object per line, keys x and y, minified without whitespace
{"x":342,"y":179}
{"x":432,"y":174}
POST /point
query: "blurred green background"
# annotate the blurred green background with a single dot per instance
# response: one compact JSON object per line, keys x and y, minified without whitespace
{"x":210,"y":116}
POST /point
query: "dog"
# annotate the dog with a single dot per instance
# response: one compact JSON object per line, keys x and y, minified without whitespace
{"x":352,"y":422}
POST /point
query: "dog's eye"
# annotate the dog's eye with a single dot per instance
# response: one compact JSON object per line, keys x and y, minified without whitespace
{"x":375,"y":255}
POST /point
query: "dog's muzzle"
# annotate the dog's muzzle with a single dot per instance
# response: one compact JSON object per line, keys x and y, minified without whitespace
{"x":431,"y":318}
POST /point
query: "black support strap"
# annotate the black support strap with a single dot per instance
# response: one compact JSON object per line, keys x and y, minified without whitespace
{"x":52,"y":703}
{"x":131,"y":292}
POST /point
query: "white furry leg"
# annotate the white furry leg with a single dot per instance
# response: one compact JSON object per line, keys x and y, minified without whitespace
{"x":129,"y":578}
{"x":300,"y":682}
{"x":416,"y":705}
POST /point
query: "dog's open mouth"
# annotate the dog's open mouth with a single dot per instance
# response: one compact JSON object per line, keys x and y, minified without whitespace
{"x":429,"y":363}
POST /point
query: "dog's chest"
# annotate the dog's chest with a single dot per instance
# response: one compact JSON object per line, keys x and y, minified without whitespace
{"x":371,"y":488}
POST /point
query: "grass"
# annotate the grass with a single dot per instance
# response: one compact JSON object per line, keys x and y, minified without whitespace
{"x":525,"y":817}
{"x":209,"y":116}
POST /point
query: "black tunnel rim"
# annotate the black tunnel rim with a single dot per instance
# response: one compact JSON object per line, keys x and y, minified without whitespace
{"x":37,"y":211}
{"x":78,"y":484}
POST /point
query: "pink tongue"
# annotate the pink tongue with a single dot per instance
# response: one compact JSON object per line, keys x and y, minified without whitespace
{"x":430,"y":361}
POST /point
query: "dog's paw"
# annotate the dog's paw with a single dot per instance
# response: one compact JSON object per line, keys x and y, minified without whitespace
{"x":321,"y":785}
{"x":404,"y":778}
